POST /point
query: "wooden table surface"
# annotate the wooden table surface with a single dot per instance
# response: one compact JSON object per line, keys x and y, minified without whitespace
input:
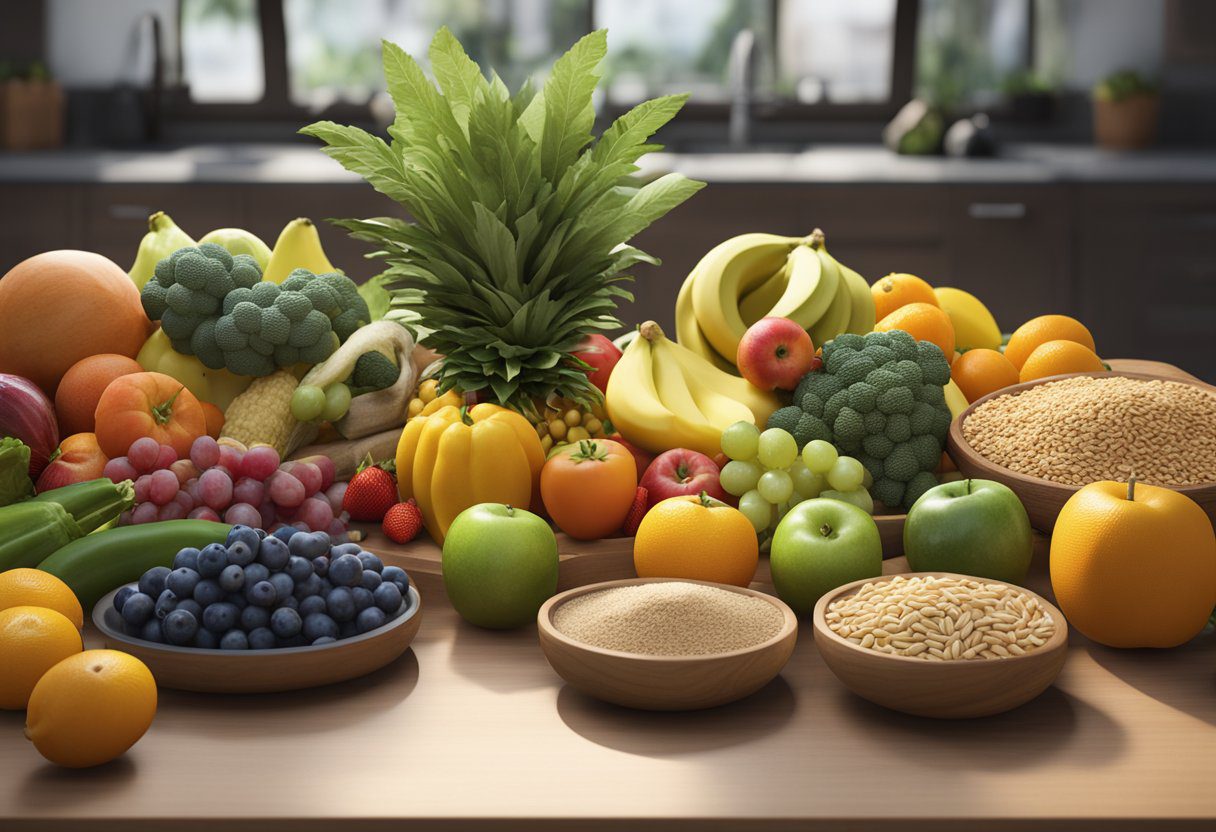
{"x":472,"y":730}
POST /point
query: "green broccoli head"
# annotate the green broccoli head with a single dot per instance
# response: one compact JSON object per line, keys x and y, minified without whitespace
{"x":374,"y":371}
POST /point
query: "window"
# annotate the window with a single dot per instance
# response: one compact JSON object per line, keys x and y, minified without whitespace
{"x":222,"y":51}
{"x":968,"y":51}
{"x":835,"y":51}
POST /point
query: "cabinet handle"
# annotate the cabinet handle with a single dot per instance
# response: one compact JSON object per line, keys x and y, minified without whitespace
{"x":128,"y":211}
{"x":996,"y":210}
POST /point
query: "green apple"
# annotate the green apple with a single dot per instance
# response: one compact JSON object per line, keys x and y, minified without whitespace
{"x":820,"y":545}
{"x":499,"y":565}
{"x":973,"y":527}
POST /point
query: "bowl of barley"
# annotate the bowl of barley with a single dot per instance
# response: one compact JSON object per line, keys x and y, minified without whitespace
{"x":941,"y":645}
{"x":1045,"y":439}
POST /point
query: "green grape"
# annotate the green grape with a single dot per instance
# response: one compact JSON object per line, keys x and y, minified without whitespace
{"x":778,"y":449}
{"x":867,"y":481}
{"x":795,"y":499}
{"x":740,"y":441}
{"x":858,"y":497}
{"x":847,"y":474}
{"x":307,"y":403}
{"x":757,"y":510}
{"x":775,"y":486}
{"x":740,"y":477}
{"x":806,"y":482}
{"x":337,"y":402}
{"x":819,"y":456}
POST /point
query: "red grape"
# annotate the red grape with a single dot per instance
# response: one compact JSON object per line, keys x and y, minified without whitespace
{"x":171,"y":511}
{"x":285,"y":490}
{"x":335,"y":493}
{"x":230,"y":458}
{"x":215,"y":489}
{"x":309,"y":475}
{"x":205,"y":452}
{"x":336,"y":530}
{"x":166,"y":456}
{"x":243,"y":513}
{"x":142,"y":484}
{"x":143,"y":454}
{"x":185,"y":470}
{"x":124,"y":519}
{"x":120,"y":468}
{"x":316,"y":513}
{"x":204,"y":513}
{"x":162,"y":487}
{"x":286,"y":514}
{"x":326,"y":465}
{"x":144,"y":513}
{"x":248,"y":490}
{"x":260,"y":462}
{"x":184,"y":500}
{"x":192,"y":489}
{"x":268,"y":511}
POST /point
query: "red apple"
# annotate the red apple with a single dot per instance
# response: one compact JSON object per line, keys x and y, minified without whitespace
{"x":775,"y":353}
{"x":640,"y":457}
{"x":602,"y":355}
{"x":678,"y":472}
{"x":78,"y":459}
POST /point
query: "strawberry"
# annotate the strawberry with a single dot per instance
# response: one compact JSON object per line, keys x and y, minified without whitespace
{"x":636,"y":512}
{"x":403,"y":521}
{"x":371,"y":492}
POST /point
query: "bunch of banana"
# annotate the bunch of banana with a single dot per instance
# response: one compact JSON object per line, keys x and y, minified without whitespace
{"x":662,"y":395}
{"x":756,"y":275}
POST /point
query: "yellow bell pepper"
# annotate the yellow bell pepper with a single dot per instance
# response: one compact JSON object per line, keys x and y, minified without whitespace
{"x":219,"y":387}
{"x":458,"y":457}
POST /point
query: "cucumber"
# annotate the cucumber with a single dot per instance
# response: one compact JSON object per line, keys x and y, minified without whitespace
{"x":92,"y":503}
{"x":97,"y":563}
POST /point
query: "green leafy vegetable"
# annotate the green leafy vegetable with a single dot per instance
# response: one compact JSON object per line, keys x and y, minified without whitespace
{"x":15,"y":483}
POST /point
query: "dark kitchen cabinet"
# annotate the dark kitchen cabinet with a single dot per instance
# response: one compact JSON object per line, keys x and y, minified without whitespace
{"x":115,"y":217}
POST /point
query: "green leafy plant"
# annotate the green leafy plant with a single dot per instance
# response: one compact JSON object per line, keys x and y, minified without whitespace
{"x":1122,"y":85}
{"x":517,"y":246}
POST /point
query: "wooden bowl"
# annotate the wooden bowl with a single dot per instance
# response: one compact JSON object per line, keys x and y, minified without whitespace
{"x":945,"y":689}
{"x":263,"y":671}
{"x":1042,"y":498}
{"x":665,"y":683}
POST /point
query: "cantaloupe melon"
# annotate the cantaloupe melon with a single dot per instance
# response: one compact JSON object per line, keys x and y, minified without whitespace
{"x":61,"y":306}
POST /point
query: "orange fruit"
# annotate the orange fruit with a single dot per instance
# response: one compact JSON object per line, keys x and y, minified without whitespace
{"x":90,"y":708}
{"x":1030,"y":335}
{"x":982,"y":371}
{"x":924,"y":322}
{"x":214,"y":417}
{"x":1057,"y":357}
{"x":1137,"y":572}
{"x":33,"y":587}
{"x":32,"y":641}
{"x":697,"y":538}
{"x":896,"y":290}
{"x":82,"y":385}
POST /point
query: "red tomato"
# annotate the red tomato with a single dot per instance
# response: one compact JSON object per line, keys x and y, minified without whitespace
{"x":148,"y":404}
{"x":589,"y":488}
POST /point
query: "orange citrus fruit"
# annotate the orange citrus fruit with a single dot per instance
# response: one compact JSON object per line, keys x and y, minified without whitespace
{"x":1040,"y":330}
{"x":82,"y":385}
{"x":32,"y":641}
{"x":696,"y":538}
{"x":90,"y":708}
{"x":35,"y":588}
{"x":1057,"y":357}
{"x":1134,"y":573}
{"x":214,"y":417}
{"x":924,"y":322}
{"x":982,"y":371}
{"x":896,"y":290}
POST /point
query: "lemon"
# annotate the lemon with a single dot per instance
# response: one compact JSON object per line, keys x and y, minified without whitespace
{"x":35,"y":588}
{"x":974,"y":326}
{"x":32,"y":641}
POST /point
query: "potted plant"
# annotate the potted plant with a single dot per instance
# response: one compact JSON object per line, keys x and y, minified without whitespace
{"x":31,"y":108}
{"x":1126,"y":107}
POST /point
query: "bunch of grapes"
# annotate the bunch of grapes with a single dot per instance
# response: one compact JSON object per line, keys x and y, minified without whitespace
{"x":769,"y":477}
{"x":219,"y":482}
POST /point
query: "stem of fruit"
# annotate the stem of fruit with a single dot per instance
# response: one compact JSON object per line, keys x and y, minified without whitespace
{"x":1131,"y":488}
{"x":817,"y":239}
{"x":825,"y":530}
{"x":163,"y":412}
{"x":651,"y":331}
{"x":588,"y":451}
{"x":464,"y":415}
{"x":708,"y":501}
{"x":968,"y":485}
{"x":510,"y":510}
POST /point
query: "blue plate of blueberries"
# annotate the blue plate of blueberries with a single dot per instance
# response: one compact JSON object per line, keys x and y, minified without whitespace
{"x":262,"y":612}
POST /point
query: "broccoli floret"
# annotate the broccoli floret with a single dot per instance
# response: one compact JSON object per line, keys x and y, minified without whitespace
{"x":910,"y":373}
{"x":802,"y":425}
{"x":877,"y":445}
{"x":285,"y":355}
{"x":245,"y":272}
{"x":164,"y":273}
{"x":933,"y":394}
{"x":835,"y":360}
{"x":900,"y":465}
{"x":927,"y":450}
{"x":902,"y":344}
{"x":917,"y":486}
{"x":247,"y":316}
{"x":899,"y":428}
{"x":260,"y":345}
{"x":153,"y":298}
{"x":856,"y":369}
{"x":246,"y":362}
{"x":264,"y":294}
{"x":846,"y":339}
{"x":873,"y":465}
{"x":883,"y":380}
{"x":896,"y":400}
{"x":313,"y":329}
{"x":293,"y":305}
{"x":862,"y":397}
{"x":921,"y":418}
{"x":941,"y":424}
{"x":178,"y":326}
{"x":879,"y":353}
{"x":875,"y":421}
{"x":849,"y":426}
{"x":323,"y":298}
{"x":216,"y":252}
{"x":785,"y":418}
{"x":318,"y":352}
{"x":374,"y":371}
{"x":296,"y":280}
{"x":203,"y":344}
{"x":345,"y":323}
{"x":833,"y":406}
{"x":810,"y":403}
{"x":933,"y":364}
{"x":887,"y":491}
{"x":276,"y":329}
{"x":237,"y":295}
{"x":228,"y":337}
{"x":177,"y":298}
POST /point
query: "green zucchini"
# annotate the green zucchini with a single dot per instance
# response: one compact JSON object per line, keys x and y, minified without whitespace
{"x":93,"y":503}
{"x":98,"y":563}
{"x":31,"y":531}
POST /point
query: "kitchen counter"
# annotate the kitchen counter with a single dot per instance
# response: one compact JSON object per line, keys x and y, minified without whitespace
{"x":303,"y":163}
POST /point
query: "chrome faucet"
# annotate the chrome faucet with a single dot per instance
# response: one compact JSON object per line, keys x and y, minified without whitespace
{"x":741,"y":72}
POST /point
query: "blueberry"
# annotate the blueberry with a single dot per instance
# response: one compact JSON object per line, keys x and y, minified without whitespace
{"x":363,"y":598}
{"x":138,"y":608}
{"x":208,"y":592}
{"x":318,"y":625}
{"x":261,"y":639}
{"x":283,"y":585}
{"x":182,"y":581}
{"x":255,"y":572}
{"x":152,"y":631}
{"x":341,"y":605}
{"x":241,"y":553}
{"x":221,"y":617}
{"x":244,"y":534}
{"x":152,"y":582}
{"x":206,"y":639}
{"x":191,"y":606}
{"x":346,"y":570}
{"x":320,"y":566}
{"x":323,"y":640}
{"x":165,"y":604}
{"x":310,"y":605}
{"x":397,"y":575}
{"x":179,"y":627}
{"x":311,"y":586}
{"x":253,"y":617}
{"x":212,"y":560}
{"x":273,"y":552}
{"x":285,"y":622}
{"x":297,"y":640}
{"x":122,"y":595}
{"x":344,"y":549}
{"x":370,"y":561}
{"x":300,"y":569}
{"x":347,"y":629}
{"x":237,"y":598}
{"x":262,"y":593}
{"x":232,"y":579}
{"x":370,"y":619}
{"x":387,"y":597}
{"x":284,"y":533}
{"x":307,"y":545}
{"x":186,"y":559}
{"x":262,"y":534}
{"x":234,"y":640}
{"x":370,"y":579}
{"x":288,"y":603}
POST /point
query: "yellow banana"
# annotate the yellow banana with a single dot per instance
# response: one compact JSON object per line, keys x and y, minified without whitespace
{"x":298,"y":247}
{"x":714,"y":408}
{"x":812,"y":287}
{"x":835,"y":318}
{"x":694,"y":430}
{"x":633,"y":401}
{"x":701,"y":375}
{"x":688,"y":331}
{"x":758,"y":303}
{"x":726,"y":274}
{"x":861,"y":317}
